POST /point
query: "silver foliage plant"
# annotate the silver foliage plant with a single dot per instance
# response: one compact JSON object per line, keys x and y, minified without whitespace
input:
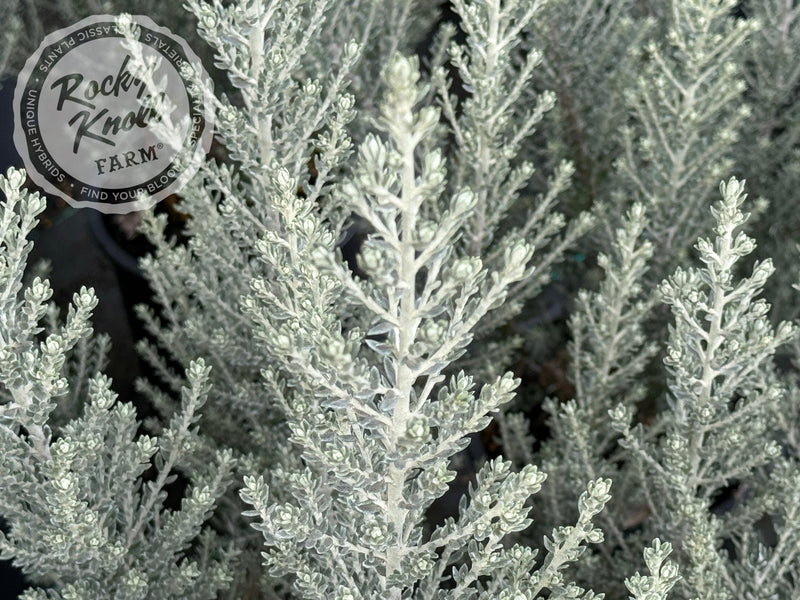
{"x":687,"y":112}
{"x":772,"y":74}
{"x":85,"y":522}
{"x":724,"y":416}
{"x":320,"y":404}
{"x":378,"y":459}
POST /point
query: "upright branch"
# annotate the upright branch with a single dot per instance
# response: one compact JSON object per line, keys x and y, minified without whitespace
{"x":372,"y":412}
{"x":723,"y":402}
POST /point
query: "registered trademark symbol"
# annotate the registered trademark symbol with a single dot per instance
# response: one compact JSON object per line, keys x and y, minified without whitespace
{"x":159,"y":145}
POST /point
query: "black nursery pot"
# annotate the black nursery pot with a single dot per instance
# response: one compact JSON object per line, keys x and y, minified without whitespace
{"x":124,"y":255}
{"x":125,"y":252}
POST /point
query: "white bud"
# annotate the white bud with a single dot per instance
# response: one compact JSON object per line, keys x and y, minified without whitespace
{"x":517,"y":255}
{"x":15,"y":177}
{"x":463,"y":201}
{"x":426,"y":232}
